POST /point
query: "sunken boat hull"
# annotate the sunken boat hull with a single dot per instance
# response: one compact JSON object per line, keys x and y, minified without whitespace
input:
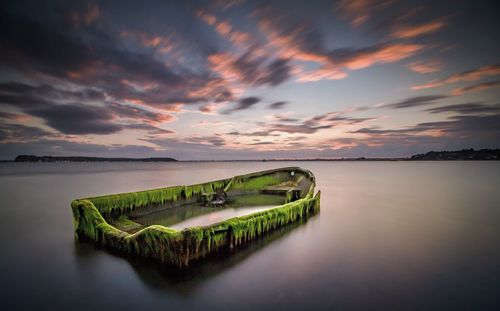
{"x":106,"y":221}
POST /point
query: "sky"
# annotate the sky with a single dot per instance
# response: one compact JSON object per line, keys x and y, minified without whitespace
{"x":241,"y":79}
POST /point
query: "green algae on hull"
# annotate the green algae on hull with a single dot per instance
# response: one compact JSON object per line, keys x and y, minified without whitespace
{"x":93,"y":217}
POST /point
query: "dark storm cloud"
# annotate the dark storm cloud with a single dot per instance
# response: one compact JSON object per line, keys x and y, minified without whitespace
{"x":71,"y":118}
{"x":51,"y":49}
{"x":416,"y":101}
{"x":52,"y":105}
{"x":77,"y":119}
{"x":467,"y":108}
{"x":278,"y":105}
{"x":94,"y":55}
{"x":243,"y":104}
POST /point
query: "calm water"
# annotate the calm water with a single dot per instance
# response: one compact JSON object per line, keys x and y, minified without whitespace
{"x":182,"y":217}
{"x":390,"y":235}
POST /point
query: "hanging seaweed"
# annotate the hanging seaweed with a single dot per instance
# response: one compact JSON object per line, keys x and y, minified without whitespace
{"x":180,"y":247}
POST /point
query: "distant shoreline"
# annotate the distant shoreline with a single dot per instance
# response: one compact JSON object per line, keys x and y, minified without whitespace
{"x":33,"y":158}
{"x":460,"y":155}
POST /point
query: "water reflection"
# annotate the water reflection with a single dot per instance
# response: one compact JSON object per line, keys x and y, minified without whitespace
{"x":160,"y":276}
{"x":392,"y":235}
{"x":181,"y":217}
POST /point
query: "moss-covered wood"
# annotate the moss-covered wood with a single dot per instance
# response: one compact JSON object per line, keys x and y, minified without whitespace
{"x":181,"y":247}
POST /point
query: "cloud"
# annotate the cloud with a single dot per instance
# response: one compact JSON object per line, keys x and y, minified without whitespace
{"x":300,"y":128}
{"x":213,"y":140}
{"x":27,"y":95}
{"x":161,"y":43}
{"x":95,"y":56}
{"x":377,"y":131}
{"x":348,"y":120}
{"x":474,"y":126}
{"x":22,"y":133}
{"x":226,"y":30}
{"x":358,"y":12}
{"x":11,"y":116}
{"x":243,"y":104}
{"x":467,"y":108}
{"x":477,"y":131}
{"x":278,"y":105}
{"x":71,"y":57}
{"x":299,"y":39}
{"x":84,"y":16}
{"x":77,"y":119}
{"x":284,"y":118}
{"x":425,"y":67}
{"x":416,"y":101}
{"x":264,"y":133}
{"x":475,"y":88}
{"x":470,"y":75}
{"x":131,"y":112}
{"x":481,"y":127}
{"x":309,"y":125}
{"x":91,"y":116}
{"x":364,"y":57}
{"x":151,"y":129}
{"x":251,"y":68}
{"x":192,"y":148}
{"x":408,"y":32}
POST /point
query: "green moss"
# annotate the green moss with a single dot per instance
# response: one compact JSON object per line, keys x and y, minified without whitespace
{"x":179,"y":247}
{"x":255,"y":182}
{"x":117,"y":204}
{"x":124,"y":223}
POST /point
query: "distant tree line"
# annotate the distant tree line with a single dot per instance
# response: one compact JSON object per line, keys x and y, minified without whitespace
{"x":464,"y":154}
{"x":33,"y":158}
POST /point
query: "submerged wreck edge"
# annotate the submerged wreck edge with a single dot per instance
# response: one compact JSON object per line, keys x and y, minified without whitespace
{"x":180,"y":247}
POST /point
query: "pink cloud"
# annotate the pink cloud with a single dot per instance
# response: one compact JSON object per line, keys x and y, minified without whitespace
{"x":475,"y":88}
{"x":425,"y":67}
{"x":358,"y":12}
{"x":471,"y":75}
{"x":408,"y":32}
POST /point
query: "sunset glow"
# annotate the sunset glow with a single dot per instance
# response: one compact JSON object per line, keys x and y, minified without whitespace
{"x":199,"y":80}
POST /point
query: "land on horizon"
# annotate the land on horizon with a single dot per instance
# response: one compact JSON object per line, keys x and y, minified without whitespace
{"x":464,"y":154}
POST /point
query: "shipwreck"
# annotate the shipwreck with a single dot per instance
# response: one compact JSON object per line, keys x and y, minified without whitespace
{"x":111,"y":220}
